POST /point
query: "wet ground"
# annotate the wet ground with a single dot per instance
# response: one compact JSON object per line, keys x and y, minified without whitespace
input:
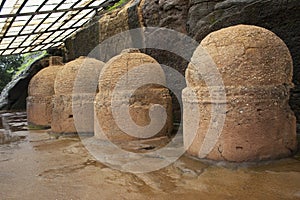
{"x":36,"y":165}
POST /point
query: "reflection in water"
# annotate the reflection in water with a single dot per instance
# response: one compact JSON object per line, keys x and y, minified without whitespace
{"x":39,"y":166}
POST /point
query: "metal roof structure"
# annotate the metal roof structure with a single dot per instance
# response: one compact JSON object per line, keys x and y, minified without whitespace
{"x":33,"y":25}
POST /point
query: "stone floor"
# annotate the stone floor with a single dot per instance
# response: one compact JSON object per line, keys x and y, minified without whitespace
{"x":37,"y":165}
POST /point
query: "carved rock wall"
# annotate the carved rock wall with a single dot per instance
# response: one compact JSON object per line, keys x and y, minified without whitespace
{"x":102,"y":28}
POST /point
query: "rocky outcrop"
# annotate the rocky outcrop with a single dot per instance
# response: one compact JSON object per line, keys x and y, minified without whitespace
{"x":128,"y":105}
{"x":171,"y":14}
{"x":41,"y":91}
{"x":256,"y":69}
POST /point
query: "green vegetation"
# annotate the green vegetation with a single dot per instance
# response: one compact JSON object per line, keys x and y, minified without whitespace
{"x":8,"y":65}
{"x":37,"y":127}
{"x":13,"y":65}
{"x":117,"y":5}
{"x":29,"y":58}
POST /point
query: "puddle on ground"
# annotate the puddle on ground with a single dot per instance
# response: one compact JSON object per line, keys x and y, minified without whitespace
{"x":39,"y":166}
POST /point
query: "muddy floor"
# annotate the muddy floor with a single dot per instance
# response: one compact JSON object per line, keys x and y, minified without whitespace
{"x":38,"y":165}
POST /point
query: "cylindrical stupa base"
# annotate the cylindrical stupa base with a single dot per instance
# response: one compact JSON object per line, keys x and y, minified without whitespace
{"x":139,"y":108}
{"x":259,"y":124}
{"x":75,"y":88}
{"x":40,"y":94}
{"x":63,"y":114}
{"x":39,"y":111}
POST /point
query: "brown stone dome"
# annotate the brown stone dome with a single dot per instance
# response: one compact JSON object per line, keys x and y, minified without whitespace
{"x":64,"y":83}
{"x":246,"y":55}
{"x":41,"y":91}
{"x":42,"y":84}
{"x":120,"y":65}
{"x":141,"y":101}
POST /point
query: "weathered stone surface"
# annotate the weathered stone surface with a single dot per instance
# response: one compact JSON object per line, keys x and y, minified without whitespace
{"x":102,"y":28}
{"x":84,"y":72}
{"x":256,"y":68}
{"x":64,"y":169}
{"x":83,"y":42}
{"x":140,"y":102}
{"x":239,"y":51}
{"x":198,"y":18}
{"x":12,"y":126}
{"x":166,"y":13}
{"x":41,"y":91}
{"x":170,"y":14}
{"x":281,"y":17}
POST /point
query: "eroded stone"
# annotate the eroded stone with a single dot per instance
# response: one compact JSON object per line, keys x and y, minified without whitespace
{"x":41,"y":91}
{"x":119,"y":89}
{"x":256,"y":69}
{"x":76,"y":96}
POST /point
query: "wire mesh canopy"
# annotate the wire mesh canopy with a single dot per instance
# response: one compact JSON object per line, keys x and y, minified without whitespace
{"x":33,"y":25}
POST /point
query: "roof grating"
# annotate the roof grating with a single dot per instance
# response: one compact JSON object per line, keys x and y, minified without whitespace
{"x":31,"y":25}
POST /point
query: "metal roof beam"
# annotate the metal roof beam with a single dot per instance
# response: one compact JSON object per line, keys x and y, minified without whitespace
{"x":12,"y":21}
{"x":2,"y":4}
{"x":34,"y":45}
{"x":40,"y":7}
{"x":42,"y":32}
{"x":27,"y":29}
{"x":56,"y":7}
{"x":50,"y":11}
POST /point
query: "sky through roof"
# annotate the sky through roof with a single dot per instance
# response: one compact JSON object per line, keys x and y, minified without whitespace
{"x":33,"y":25}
